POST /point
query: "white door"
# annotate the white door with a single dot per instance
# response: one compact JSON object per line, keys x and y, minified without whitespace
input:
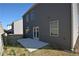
{"x":36,"y":32}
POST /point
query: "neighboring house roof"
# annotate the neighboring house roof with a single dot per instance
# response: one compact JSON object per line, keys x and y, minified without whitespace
{"x":17,"y":20}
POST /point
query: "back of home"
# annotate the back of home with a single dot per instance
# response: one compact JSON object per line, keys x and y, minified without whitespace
{"x":56,"y":24}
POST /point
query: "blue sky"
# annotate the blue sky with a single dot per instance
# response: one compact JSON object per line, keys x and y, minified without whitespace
{"x":11,"y":12}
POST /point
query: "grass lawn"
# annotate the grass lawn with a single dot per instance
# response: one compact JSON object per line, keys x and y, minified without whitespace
{"x":17,"y":50}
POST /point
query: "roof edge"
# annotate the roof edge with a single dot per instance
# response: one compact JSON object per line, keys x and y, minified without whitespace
{"x":34,"y":4}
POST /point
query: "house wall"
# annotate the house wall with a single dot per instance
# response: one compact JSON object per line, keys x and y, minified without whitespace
{"x":18,"y":27}
{"x":1,"y":45}
{"x":1,"y":29}
{"x":1,"y":42}
{"x":75,"y":10}
{"x":46,"y":13}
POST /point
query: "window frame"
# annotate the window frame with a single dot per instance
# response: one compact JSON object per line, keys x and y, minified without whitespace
{"x":27,"y":18}
{"x":50,"y":24}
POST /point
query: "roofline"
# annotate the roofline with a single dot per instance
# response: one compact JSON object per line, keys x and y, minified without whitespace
{"x":34,"y":4}
{"x":14,"y":21}
{"x":17,"y":20}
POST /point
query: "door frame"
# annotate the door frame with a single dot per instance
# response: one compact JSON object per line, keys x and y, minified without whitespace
{"x":36,"y":32}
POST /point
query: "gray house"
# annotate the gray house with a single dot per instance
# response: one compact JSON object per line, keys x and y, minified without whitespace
{"x":55,"y":23}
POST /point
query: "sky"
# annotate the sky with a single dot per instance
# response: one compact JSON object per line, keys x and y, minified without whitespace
{"x":11,"y":12}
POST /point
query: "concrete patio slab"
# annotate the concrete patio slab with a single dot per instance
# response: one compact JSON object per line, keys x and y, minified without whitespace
{"x":32,"y":44}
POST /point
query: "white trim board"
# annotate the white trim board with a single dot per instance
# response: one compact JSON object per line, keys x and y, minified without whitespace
{"x":74,"y":24}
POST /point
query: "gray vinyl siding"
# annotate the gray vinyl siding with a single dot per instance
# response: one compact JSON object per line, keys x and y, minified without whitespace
{"x":45,"y":14}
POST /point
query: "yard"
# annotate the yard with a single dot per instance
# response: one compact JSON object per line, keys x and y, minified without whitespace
{"x":15,"y":49}
{"x":18,"y":50}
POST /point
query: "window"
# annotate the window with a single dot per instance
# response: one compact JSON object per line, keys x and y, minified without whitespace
{"x":27,"y":30}
{"x":33,"y":15}
{"x":54,"y":28}
{"x":27,"y":18}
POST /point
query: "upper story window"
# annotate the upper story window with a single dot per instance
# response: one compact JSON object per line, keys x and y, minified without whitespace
{"x":33,"y":15}
{"x":54,"y":28}
{"x":27,"y":18}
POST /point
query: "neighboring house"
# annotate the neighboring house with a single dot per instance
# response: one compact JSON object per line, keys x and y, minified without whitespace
{"x":1,"y":42}
{"x":55,"y":23}
{"x":1,"y":29}
{"x":9,"y":29}
{"x":9,"y":26}
{"x":17,"y":27}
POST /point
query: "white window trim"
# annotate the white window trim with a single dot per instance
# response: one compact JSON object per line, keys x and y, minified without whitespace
{"x":50,"y":28}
